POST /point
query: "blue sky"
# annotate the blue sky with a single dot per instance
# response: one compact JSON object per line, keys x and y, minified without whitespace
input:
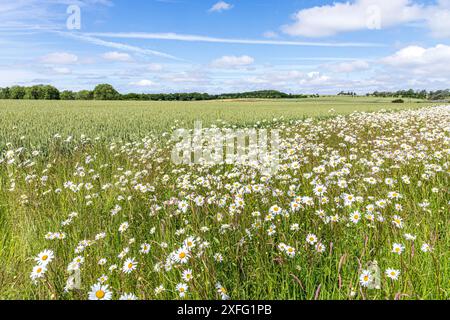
{"x":226,"y":46}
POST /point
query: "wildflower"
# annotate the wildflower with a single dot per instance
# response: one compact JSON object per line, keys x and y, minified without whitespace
{"x":159,"y":289}
{"x":129,"y":265}
{"x":272,"y":230}
{"x":183,"y":206}
{"x":128,"y":296}
{"x":392,"y":274}
{"x":355,"y":216}
{"x":182,"y":289}
{"x":397,"y":248}
{"x":145,"y":248}
{"x":397,"y":221}
{"x":365,"y":278}
{"x":38,"y":272}
{"x":189,"y":243}
{"x":409,"y":237}
{"x":182,"y":255}
{"x":320,"y":247}
{"x":187,"y":275}
{"x":102,"y":279}
{"x":218,"y":257}
{"x":222,"y":291}
{"x":44,"y":257}
{"x":425,"y":247}
{"x":100,"y":292}
{"x":290,"y":251}
{"x":311,"y":239}
{"x":123,"y":227}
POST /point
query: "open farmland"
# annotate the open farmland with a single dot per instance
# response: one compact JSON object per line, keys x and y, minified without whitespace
{"x":358,"y":209}
{"x":37,"y":121}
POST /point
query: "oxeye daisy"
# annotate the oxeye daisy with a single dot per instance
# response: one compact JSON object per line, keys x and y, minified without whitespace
{"x":183,"y":206}
{"x":44,"y":257}
{"x":320,"y":190}
{"x":158,"y":290}
{"x":102,"y":279}
{"x":129,"y":265}
{"x":275,"y":210}
{"x":100,"y":292}
{"x":397,"y":221}
{"x":187,"y":275}
{"x":365,"y":278}
{"x":38,"y":272}
{"x":123,"y":227}
{"x":128,"y":296}
{"x":320,"y":247}
{"x":425,"y":247}
{"x":181,"y":255}
{"x":189,"y":243}
{"x":182,"y":289}
{"x":222,"y":291}
{"x":272,"y":230}
{"x":311,"y":239}
{"x":290,"y":251}
{"x":355,"y":216}
{"x":397,"y":248}
{"x":145,"y":248}
{"x":392,"y":274}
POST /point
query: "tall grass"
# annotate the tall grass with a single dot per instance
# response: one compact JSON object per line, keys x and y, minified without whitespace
{"x":129,"y":165}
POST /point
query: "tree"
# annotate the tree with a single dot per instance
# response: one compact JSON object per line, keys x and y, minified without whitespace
{"x":84,"y":95}
{"x":34,"y":93}
{"x":16,"y":92}
{"x":50,"y":93}
{"x":4,"y":93}
{"x":67,"y":95}
{"x":105,"y":92}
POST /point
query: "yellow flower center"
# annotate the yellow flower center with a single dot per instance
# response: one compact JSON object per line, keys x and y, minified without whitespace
{"x":182,"y":255}
{"x":39,"y":270}
{"x":366,"y":278}
{"x":44,"y":257}
{"x":130,"y":265}
{"x":100,"y":294}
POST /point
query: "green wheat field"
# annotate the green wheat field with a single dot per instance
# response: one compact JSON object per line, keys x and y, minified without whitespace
{"x":93,"y":207}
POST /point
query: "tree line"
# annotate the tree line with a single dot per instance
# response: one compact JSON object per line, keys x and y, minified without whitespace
{"x":107,"y":92}
{"x":413,"y":94}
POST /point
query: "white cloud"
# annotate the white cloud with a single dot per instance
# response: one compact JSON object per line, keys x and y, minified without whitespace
{"x":117,"y":56}
{"x":340,"y":17}
{"x":270,"y":34}
{"x":61,"y":70}
{"x":9,"y":77}
{"x":59,"y":58}
{"x":439,"y":20}
{"x":154,"y":67}
{"x":143,"y":83}
{"x":197,"y":77}
{"x":221,"y":6}
{"x":232,"y":62}
{"x":347,"y":67}
{"x":199,"y":38}
{"x":421,"y":61}
{"x":117,"y":45}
